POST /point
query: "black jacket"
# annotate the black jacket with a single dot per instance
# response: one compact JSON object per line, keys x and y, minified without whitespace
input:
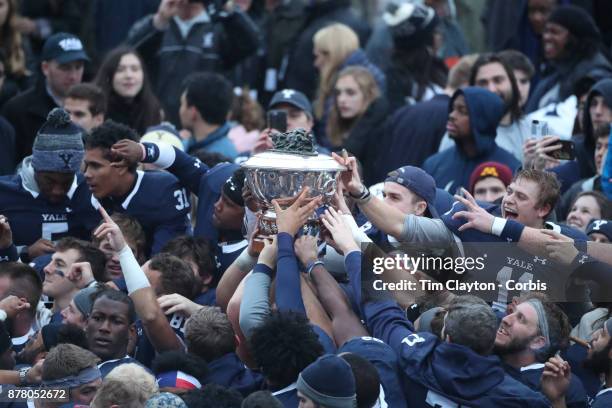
{"x":209,"y":46}
{"x":301,"y":73}
{"x":364,"y":137}
{"x":27,"y":112}
{"x":410,"y":136}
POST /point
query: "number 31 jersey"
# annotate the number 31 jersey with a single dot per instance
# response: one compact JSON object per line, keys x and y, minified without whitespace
{"x":160,"y":204}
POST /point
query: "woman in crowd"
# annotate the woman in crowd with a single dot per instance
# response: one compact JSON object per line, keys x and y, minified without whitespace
{"x":588,"y":205}
{"x":357,"y":114}
{"x":572,"y":48}
{"x":131,"y":100}
{"x":15,"y":52}
{"x":336,"y":47}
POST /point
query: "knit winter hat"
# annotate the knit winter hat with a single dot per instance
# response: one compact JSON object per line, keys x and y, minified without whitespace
{"x":82,"y":300}
{"x":165,"y":400}
{"x":233,"y":187}
{"x":329,"y":381}
{"x":58,"y":146}
{"x":411,"y":24}
{"x":576,"y":20}
{"x":491,"y":169}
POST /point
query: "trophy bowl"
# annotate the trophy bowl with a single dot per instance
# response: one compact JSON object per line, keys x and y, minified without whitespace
{"x":279,"y":175}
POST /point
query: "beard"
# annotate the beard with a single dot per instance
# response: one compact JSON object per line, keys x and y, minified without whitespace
{"x":515,"y":346}
{"x":598,"y":361}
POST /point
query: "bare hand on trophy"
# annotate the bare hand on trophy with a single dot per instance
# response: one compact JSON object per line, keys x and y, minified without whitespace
{"x":349,"y":178}
{"x":295,"y":216}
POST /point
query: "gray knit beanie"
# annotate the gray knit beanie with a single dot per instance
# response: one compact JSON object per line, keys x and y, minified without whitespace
{"x":58,"y":146}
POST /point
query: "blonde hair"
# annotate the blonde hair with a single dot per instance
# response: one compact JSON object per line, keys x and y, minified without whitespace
{"x":127,"y":385}
{"x":11,"y":42}
{"x":337,"y":127}
{"x":338,"y":41}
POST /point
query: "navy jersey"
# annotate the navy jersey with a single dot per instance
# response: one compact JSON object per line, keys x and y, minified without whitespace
{"x":145,"y":352}
{"x":160,"y":204}
{"x":197,"y":177}
{"x":442,"y":374}
{"x":32,"y":217}
{"x":508,"y":266}
{"x":229,"y":371}
{"x":385,"y":360}
{"x":575,"y":396}
{"x":603,"y":399}
{"x":208,"y":298}
{"x":107,"y":366}
{"x":227,"y":252}
{"x":575,"y":356}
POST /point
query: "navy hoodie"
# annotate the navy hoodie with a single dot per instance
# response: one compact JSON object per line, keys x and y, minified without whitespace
{"x":451,"y":168}
{"x":437,"y":373}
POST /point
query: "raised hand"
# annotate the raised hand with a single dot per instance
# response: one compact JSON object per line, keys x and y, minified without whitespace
{"x":306,"y":249}
{"x":41,"y":247}
{"x":80,"y":274}
{"x":110,"y":230}
{"x":12,"y":305}
{"x":349,"y":178}
{"x":555,"y":380}
{"x":559,"y":247}
{"x":6,"y":235}
{"x":269,"y":253}
{"x":129,"y":151}
{"x":264,"y":141}
{"x":167,"y":9}
{"x":292,"y":218}
{"x":477,"y":217}
{"x":340,"y":232}
{"x":175,"y":303}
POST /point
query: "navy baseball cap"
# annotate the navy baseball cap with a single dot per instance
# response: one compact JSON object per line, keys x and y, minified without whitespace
{"x":64,"y":48}
{"x":601,"y":226}
{"x":419,"y":182}
{"x":291,"y":97}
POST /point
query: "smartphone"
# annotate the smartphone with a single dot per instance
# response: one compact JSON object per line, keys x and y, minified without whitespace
{"x":277,"y":120}
{"x":539,"y":129}
{"x":566,"y":152}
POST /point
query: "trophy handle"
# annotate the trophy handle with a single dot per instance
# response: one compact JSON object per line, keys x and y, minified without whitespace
{"x":329,"y":188}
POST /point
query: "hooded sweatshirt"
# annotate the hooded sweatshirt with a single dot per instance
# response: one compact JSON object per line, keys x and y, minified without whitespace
{"x":438,"y":373}
{"x":451,"y":168}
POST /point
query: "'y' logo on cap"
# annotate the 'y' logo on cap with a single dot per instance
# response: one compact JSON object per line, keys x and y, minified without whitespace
{"x":66,"y":158}
{"x":598,"y":223}
{"x":288,"y":93}
{"x":71,"y":44}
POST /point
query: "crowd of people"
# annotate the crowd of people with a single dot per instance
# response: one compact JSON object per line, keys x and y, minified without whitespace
{"x":133,"y":267}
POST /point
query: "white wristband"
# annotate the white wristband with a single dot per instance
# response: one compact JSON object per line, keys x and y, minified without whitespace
{"x":134,"y":276}
{"x":498,"y":226}
{"x":3,"y":315}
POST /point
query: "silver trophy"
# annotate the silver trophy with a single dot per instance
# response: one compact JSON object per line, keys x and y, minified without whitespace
{"x":282,"y":172}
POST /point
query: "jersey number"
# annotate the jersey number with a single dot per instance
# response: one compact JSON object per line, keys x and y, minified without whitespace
{"x":51,"y":228}
{"x":503,"y":276}
{"x":182,"y":198}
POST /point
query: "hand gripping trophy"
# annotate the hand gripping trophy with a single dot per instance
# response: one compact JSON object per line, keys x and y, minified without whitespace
{"x":283,"y":171}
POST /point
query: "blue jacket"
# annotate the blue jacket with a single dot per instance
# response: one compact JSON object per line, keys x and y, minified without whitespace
{"x":451,"y":168}
{"x":437,"y":373}
{"x":216,"y":142}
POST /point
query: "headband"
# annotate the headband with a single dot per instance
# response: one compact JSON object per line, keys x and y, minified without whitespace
{"x":542,"y":322}
{"x":72,"y":381}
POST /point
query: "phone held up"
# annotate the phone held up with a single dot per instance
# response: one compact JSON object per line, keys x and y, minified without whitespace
{"x":277,"y":120}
